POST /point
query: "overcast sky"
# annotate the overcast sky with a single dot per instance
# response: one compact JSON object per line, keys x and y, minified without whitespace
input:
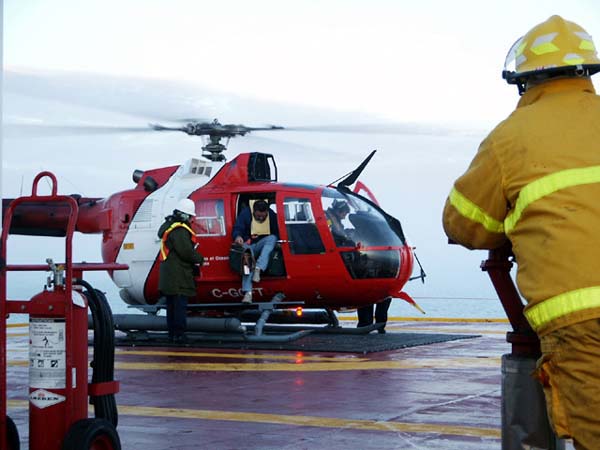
{"x":427,"y":63}
{"x":426,"y":60}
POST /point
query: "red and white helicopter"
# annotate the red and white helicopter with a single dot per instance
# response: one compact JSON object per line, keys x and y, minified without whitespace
{"x":310,"y":267}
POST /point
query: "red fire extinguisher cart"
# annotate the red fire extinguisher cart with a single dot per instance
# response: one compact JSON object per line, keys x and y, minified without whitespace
{"x":58,"y":347}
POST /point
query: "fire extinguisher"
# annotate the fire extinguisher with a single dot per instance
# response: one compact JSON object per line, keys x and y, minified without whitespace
{"x":57,"y":361}
{"x":58,"y":341}
{"x":58,"y":349}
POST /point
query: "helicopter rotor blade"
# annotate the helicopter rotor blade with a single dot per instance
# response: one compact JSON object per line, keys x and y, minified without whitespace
{"x":374,"y":128}
{"x":158,"y":127}
{"x":145,"y":99}
{"x":265,"y":128}
{"x":47,"y":130}
{"x":299,"y":150}
{"x":191,"y":120}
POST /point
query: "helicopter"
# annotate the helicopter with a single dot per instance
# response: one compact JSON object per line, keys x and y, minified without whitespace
{"x":309,"y":267}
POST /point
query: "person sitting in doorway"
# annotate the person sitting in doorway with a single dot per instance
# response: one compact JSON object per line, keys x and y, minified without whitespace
{"x":258,"y":232}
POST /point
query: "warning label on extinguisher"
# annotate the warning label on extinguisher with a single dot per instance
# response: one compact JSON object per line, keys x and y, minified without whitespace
{"x":47,"y":361}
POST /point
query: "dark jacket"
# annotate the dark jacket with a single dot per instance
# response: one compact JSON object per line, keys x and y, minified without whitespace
{"x":176,"y":274}
{"x":244,"y":221}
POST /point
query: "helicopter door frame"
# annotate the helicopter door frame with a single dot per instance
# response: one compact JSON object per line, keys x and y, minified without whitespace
{"x":214,"y":235}
{"x":300,"y":224}
{"x":244,"y":199}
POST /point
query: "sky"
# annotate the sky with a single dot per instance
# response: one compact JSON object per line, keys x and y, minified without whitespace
{"x":433,"y":67}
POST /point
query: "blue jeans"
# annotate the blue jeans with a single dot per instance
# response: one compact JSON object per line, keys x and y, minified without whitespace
{"x":263,"y":249}
{"x":176,"y":314}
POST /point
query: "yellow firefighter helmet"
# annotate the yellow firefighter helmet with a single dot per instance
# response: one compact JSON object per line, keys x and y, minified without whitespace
{"x":555,"y":47}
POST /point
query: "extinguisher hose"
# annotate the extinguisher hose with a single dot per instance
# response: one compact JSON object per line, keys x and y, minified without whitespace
{"x":103,"y":362}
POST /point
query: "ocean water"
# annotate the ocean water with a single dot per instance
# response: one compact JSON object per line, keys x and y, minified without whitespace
{"x":434,"y":308}
{"x":451,"y":307}
{"x":25,"y":286}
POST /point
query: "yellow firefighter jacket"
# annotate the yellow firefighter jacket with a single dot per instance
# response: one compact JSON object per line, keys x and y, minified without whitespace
{"x":536,"y":180}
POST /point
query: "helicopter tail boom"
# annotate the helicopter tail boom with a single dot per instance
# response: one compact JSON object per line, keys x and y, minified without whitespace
{"x":39,"y":218}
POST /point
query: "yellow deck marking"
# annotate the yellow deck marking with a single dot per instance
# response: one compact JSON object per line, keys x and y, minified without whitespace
{"x":239,"y":356}
{"x":409,"y":363}
{"x":433,"y":319}
{"x":305,"y":421}
{"x":293,"y":358}
{"x":452,"y":363}
{"x":442,"y":329}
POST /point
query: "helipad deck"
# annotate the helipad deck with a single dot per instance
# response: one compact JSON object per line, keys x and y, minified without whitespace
{"x":438,"y":396}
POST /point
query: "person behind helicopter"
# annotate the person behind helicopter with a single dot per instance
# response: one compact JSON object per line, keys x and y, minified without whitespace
{"x":336,"y":213}
{"x":365,"y":315}
{"x":178,"y":258}
{"x":257,"y":232}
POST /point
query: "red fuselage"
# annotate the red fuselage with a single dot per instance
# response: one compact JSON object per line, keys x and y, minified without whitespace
{"x":316,"y":270}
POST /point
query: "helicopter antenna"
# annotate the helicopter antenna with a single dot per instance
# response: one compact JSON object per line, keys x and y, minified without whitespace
{"x":213,"y":132}
{"x":351,"y":177}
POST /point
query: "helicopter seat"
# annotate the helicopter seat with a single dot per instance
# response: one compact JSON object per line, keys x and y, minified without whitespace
{"x":304,"y":239}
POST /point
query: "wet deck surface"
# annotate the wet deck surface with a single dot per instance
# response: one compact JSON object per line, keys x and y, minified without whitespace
{"x":438,"y":396}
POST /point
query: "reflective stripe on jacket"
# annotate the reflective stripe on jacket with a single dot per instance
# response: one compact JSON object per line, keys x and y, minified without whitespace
{"x":536,"y":179}
{"x":178,"y":246}
{"x":164,"y":249}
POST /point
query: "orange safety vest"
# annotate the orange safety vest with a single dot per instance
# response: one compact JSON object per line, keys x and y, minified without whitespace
{"x":164,"y":250}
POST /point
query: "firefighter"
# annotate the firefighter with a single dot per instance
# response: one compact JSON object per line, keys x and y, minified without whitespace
{"x":179,"y":261}
{"x":535,"y":183}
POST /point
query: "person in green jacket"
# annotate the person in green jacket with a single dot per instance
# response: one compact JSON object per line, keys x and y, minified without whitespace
{"x":535,"y":183}
{"x":178,"y":258}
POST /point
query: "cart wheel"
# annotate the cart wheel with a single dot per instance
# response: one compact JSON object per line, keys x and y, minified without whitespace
{"x":12,"y":435}
{"x":92,"y":434}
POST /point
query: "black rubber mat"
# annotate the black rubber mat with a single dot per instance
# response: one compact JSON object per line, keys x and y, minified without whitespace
{"x":339,"y":343}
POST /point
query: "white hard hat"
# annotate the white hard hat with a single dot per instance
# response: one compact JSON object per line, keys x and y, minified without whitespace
{"x":186,"y":206}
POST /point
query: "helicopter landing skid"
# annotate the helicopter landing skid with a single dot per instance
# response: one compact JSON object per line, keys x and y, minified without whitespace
{"x":255,"y":315}
{"x":140,"y":328}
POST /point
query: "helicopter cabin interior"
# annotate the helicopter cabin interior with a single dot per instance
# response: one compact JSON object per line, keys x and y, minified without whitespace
{"x":276,"y":267}
{"x":303,"y":236}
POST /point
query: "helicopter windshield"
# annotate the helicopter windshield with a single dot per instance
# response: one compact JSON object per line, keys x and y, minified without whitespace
{"x":353,"y":221}
{"x":361,"y":230}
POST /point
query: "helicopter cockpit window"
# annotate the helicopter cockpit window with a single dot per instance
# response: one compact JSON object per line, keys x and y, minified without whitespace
{"x":352,"y":221}
{"x":301,"y":227}
{"x":210,"y":219}
{"x":357,"y":227}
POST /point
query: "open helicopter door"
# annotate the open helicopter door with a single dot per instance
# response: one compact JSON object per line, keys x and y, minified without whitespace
{"x":276,"y":267}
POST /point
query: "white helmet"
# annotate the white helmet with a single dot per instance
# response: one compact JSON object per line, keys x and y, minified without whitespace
{"x":186,"y":206}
